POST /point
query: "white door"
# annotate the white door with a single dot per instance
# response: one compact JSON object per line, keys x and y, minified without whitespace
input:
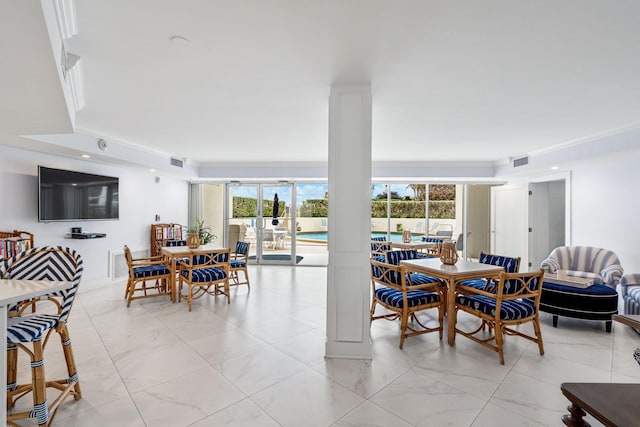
{"x":510,"y":222}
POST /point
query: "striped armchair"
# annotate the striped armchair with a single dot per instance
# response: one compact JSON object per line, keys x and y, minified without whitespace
{"x":602,"y":265}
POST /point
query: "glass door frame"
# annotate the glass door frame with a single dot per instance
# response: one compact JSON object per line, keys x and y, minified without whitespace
{"x":261,"y":218}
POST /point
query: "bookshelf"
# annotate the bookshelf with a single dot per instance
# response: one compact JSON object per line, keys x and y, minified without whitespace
{"x":160,"y":233}
{"x":14,"y":242}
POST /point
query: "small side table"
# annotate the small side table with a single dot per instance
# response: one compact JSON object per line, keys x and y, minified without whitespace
{"x":611,"y":404}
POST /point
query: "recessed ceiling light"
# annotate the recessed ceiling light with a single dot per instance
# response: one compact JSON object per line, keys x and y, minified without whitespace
{"x":152,"y":170}
{"x":85,"y":156}
{"x":554,"y":168}
{"x":180,"y":41}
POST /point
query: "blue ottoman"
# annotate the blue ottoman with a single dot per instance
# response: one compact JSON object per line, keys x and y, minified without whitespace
{"x":597,"y":302}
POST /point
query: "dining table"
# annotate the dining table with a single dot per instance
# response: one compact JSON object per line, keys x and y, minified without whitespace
{"x":175,"y":253}
{"x":452,"y":274}
{"x":11,"y":292}
{"x":415,"y":244}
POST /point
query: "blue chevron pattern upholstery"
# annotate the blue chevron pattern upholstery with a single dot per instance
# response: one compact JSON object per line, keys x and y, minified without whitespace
{"x":415,"y":298}
{"x":42,"y":263}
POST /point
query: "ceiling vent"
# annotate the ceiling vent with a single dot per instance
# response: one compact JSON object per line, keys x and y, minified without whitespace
{"x":520,"y":162}
{"x":177,"y":162}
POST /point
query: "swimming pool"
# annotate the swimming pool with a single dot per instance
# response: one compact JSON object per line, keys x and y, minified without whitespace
{"x":321,"y":236}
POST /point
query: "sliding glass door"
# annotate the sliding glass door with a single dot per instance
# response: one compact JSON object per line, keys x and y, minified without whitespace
{"x":262,"y":215}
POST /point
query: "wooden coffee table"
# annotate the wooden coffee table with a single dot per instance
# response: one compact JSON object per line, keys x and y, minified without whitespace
{"x":611,"y":404}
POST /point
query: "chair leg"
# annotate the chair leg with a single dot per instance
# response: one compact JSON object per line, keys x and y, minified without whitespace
{"x":246,"y":277}
{"x":12,"y":372}
{"x":403,"y":327}
{"x":227,"y":291}
{"x":131,"y":288}
{"x":499,"y":336}
{"x":40,"y":408}
{"x":536,"y":329}
{"x":70,"y":360}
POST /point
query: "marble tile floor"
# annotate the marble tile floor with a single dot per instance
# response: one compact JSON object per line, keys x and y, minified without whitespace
{"x":260,"y":362}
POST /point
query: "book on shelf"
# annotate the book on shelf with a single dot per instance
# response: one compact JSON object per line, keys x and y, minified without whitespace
{"x":11,"y":246}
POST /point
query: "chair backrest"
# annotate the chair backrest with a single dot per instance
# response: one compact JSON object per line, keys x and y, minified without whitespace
{"x":267,"y":235}
{"x":215,"y":258}
{"x":53,"y":263}
{"x":603,"y":263}
{"x":242,"y":248}
{"x":173,"y":243}
{"x":521,"y":285}
{"x":386,"y":274}
{"x":510,"y":264}
{"x":394,"y":257}
{"x":379,"y":247}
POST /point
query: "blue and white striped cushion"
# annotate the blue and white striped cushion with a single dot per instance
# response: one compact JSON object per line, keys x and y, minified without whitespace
{"x":509,"y":310}
{"x":202,"y":275}
{"x":150,"y":271}
{"x":509,"y":264}
{"x":242,"y":248}
{"x":415,"y":298}
{"x":423,"y":279}
{"x":432,"y":239}
{"x":174,"y":243}
{"x":394,"y":257}
{"x":237,"y":263}
{"x":29,"y":328}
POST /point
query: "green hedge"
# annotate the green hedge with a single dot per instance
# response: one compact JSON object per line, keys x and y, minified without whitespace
{"x":245,"y":207}
{"x":413,"y":209}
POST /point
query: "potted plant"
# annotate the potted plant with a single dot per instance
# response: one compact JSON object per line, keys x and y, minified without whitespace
{"x":199,"y":234}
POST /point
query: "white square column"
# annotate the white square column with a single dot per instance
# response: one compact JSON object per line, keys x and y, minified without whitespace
{"x":348,"y":275}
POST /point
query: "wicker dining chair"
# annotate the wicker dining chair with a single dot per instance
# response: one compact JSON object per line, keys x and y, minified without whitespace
{"x":515,"y":301}
{"x":205,"y":274}
{"x":404,"y":294}
{"x":238,"y":263}
{"x":31,"y":332}
{"x":153,"y":269}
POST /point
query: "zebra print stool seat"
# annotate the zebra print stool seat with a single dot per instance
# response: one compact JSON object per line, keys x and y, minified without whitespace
{"x":45,"y":263}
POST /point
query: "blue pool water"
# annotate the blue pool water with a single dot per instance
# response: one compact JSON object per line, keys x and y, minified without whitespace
{"x":322,"y":236}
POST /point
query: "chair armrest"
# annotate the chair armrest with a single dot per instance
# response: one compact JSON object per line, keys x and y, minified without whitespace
{"x":550,"y":265}
{"x":629,"y":280}
{"x":611,"y":275}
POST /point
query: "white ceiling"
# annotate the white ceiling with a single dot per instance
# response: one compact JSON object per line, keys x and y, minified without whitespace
{"x":452,"y":81}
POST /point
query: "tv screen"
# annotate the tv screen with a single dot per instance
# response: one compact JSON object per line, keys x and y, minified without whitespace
{"x":71,"y":196}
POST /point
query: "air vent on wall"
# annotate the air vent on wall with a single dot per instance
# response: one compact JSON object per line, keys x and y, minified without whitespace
{"x":520,"y":162}
{"x":177,"y":162}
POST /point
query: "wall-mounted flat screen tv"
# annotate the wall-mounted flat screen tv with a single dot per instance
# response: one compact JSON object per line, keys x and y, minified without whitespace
{"x":75,"y":196}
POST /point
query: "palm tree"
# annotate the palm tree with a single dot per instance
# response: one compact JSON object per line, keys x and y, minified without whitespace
{"x":419,"y":191}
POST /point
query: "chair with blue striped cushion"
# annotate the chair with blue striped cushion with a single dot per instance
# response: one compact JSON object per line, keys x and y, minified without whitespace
{"x":155,"y":269}
{"x":44,"y":263}
{"x":238,"y":263}
{"x":205,"y":274}
{"x":437,"y":246}
{"x":379,"y":246}
{"x":602,"y":265}
{"x":510,"y":265}
{"x":516,"y":300}
{"x":394,"y":290}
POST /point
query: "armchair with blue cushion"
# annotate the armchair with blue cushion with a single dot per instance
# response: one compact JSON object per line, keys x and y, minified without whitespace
{"x":515,"y":300}
{"x":510,"y":265}
{"x":205,"y":274}
{"x":395,"y":290}
{"x":155,"y":269}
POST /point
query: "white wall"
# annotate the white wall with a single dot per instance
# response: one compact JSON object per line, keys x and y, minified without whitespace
{"x":605,"y":206}
{"x":140,"y":199}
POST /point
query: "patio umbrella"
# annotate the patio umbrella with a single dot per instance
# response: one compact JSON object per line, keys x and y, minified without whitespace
{"x":275,"y":210}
